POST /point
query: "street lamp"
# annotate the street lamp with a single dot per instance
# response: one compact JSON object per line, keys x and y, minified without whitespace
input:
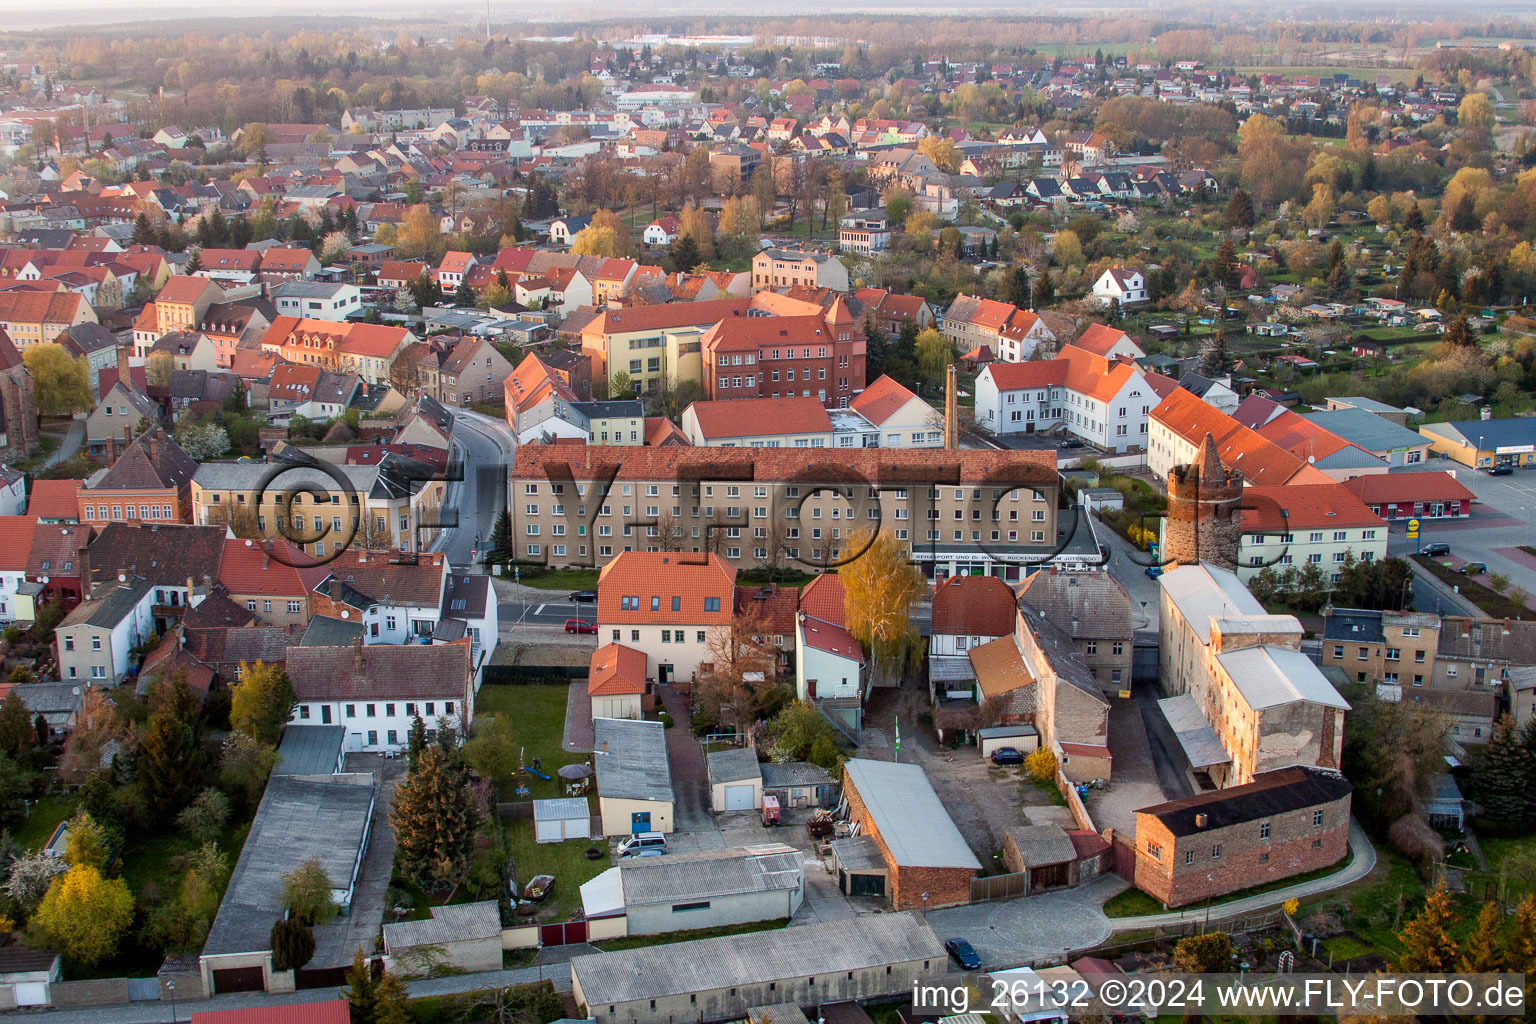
{"x":170,"y":987}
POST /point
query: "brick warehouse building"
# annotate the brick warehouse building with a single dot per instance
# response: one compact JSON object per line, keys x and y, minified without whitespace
{"x":1283,"y":823}
{"x":899,"y":813}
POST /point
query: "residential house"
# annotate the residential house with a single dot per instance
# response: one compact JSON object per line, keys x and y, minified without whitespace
{"x":1122,"y":286}
{"x":1011,"y":333}
{"x":150,"y":481}
{"x":317,"y":300}
{"x":1103,"y":401}
{"x":617,"y":682}
{"x":787,"y":268}
{"x":1322,"y":525}
{"x":271,"y":579}
{"x":673,"y":608}
{"x":968,"y":612}
{"x":377,"y":691}
{"x":30,"y":318}
{"x":180,"y":562}
{"x":94,"y":641}
{"x":1094,"y":609}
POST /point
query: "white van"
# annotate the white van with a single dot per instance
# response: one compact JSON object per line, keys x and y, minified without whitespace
{"x":642,"y":841}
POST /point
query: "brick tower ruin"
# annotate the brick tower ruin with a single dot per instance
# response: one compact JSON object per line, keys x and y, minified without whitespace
{"x":1204,"y":511}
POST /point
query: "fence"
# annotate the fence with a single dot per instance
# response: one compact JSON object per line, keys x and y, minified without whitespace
{"x":1074,"y":802}
{"x":523,"y":675}
{"x":999,"y":887}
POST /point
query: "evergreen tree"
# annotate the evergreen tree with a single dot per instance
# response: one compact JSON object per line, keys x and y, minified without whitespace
{"x":416,"y":740}
{"x":1239,"y":212}
{"x":1458,"y":333}
{"x":1463,"y":215}
{"x":16,"y":730}
{"x":168,"y":763}
{"x":1216,"y":361}
{"x":435,"y":816}
{"x":1224,"y":268}
{"x":685,"y":254}
{"x":361,"y":992}
{"x":464,"y":295}
{"x":1483,"y":951}
{"x":1427,"y":945}
{"x":1503,"y":778}
{"x":1018,"y":287}
{"x":143,"y":230}
{"x":1414,"y":219}
{"x":1045,"y":289}
{"x":501,"y":537}
{"x":196,"y":262}
{"x":293,"y":944}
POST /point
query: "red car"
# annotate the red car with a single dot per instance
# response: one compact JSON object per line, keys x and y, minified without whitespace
{"x":580,"y":626}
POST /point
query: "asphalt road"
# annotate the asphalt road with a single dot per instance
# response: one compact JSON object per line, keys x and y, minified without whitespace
{"x":1503,"y":519}
{"x":553,"y":612}
{"x":486,"y":447}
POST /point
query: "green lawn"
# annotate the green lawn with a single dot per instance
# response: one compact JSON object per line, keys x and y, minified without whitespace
{"x":561,"y":579}
{"x":566,"y":861}
{"x":634,"y":941}
{"x":1132,"y":903}
{"x":537,"y":713}
{"x":43,"y":819}
{"x":1345,"y":947}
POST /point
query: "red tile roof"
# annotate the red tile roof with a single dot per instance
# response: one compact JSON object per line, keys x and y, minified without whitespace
{"x":1294,"y":507}
{"x":186,"y":290}
{"x":1099,"y":339}
{"x":663,"y":317}
{"x":1020,"y":376}
{"x":1260,"y":460}
{"x":54,"y":499}
{"x":973,"y":606}
{"x":822,"y":598}
{"x":17,"y":531}
{"x":882,"y":399}
{"x":751,"y":417}
{"x":1035,"y":469}
{"x":269,"y":567}
{"x":655,"y":578}
{"x":616,"y":670}
{"x":333,"y":1012}
{"x":1384,"y":488}
{"x":832,"y":638}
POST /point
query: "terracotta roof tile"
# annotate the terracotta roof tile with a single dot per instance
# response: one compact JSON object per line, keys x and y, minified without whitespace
{"x":749,"y":417}
{"x":1305,"y":507}
{"x":973,"y":606}
{"x":1379,"y":488}
{"x":882,"y":399}
{"x":639,"y":587}
{"x":823,"y":599}
{"x":616,"y":670}
{"x":270,"y":567}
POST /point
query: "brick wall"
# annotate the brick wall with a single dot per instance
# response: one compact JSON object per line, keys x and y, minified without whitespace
{"x":1294,"y":846}
{"x":905,"y":885}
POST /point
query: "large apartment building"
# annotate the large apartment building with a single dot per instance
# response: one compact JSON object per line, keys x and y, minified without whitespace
{"x":1105,"y":401}
{"x":1241,"y":697}
{"x":817,"y":355}
{"x":989,"y":513}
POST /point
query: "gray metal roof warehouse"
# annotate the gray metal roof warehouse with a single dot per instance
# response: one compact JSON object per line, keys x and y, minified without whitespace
{"x":631,"y":759}
{"x":755,"y":958}
{"x":912,"y":821}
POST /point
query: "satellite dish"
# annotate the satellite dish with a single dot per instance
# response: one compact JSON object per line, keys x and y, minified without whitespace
{"x":43,"y":580}
{"x":75,"y":690}
{"x":122,"y":577}
{"x":346,"y":614}
{"x":247,"y":543}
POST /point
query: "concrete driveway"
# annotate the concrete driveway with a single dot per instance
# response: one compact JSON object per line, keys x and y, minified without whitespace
{"x":1015,"y":932}
{"x":1140,"y":768}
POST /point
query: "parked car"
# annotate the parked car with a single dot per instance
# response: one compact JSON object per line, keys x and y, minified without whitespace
{"x":1505,"y":470}
{"x":1007,"y":755}
{"x":1437,"y":548}
{"x":580,"y":626}
{"x":964,"y":953}
{"x":1154,"y":571}
{"x":584,"y":597}
{"x":1473,"y":568}
{"x":636,"y":844}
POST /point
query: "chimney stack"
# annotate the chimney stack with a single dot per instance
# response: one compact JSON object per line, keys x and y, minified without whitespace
{"x":951,"y":409}
{"x":123,"y":354}
{"x":357,"y":655}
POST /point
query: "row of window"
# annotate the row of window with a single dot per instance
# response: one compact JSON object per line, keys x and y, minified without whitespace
{"x":1314,"y":537}
{"x":631,"y":603}
{"x":99,"y":512}
{"x":1155,"y":849}
{"x":791,"y":491}
{"x":371,"y":710}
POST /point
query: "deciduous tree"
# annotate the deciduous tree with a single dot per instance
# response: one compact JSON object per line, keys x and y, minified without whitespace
{"x":84,"y":915}
{"x":307,"y":893}
{"x":880,"y":586}
{"x":262,"y":702}
{"x":61,"y":382}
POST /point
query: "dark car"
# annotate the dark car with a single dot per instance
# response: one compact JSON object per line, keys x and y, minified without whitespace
{"x":1007,"y":755}
{"x":585,"y":597}
{"x":1154,"y":571}
{"x":1437,"y":548}
{"x":580,"y":626}
{"x":1501,"y":470}
{"x":1473,"y":568}
{"x":964,"y":954}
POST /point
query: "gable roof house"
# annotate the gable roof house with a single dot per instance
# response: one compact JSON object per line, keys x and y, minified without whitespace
{"x":378,"y":691}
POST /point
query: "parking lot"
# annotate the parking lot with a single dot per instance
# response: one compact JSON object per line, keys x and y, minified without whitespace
{"x":1502,"y":520}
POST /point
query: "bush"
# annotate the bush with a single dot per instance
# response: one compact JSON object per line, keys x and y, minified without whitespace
{"x":665,"y":719}
{"x":1411,"y":836}
{"x":1041,"y":765}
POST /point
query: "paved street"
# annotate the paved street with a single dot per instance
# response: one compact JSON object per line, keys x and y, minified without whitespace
{"x":1503,"y":519}
{"x":485,"y":445}
{"x":1013,"y":932}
